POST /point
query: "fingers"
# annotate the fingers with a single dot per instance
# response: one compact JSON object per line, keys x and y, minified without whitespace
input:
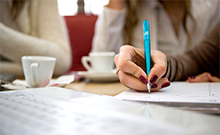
{"x":125,"y":61}
{"x":135,"y":84}
{"x":204,"y":77}
{"x":132,"y":82}
{"x":162,"y":83}
{"x":213,"y":78}
{"x":131,"y":63}
{"x":199,"y":78}
{"x":159,"y":67}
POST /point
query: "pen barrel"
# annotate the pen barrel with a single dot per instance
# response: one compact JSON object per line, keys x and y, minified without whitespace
{"x":147,"y":55}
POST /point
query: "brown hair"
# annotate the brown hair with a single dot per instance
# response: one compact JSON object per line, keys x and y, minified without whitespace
{"x":131,"y":19}
{"x":16,"y":8}
{"x":187,"y":7}
{"x":132,"y":16}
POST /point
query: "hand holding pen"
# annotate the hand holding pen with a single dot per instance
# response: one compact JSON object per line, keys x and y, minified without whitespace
{"x":131,"y":62}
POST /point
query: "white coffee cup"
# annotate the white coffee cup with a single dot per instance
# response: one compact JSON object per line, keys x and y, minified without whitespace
{"x":38,"y":70}
{"x":99,"y":61}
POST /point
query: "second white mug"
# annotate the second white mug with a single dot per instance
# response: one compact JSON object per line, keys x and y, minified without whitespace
{"x":99,"y":61}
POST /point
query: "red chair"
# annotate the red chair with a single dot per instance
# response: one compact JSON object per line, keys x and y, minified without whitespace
{"x":81,"y":30}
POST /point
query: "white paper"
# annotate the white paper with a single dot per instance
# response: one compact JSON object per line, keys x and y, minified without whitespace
{"x":183,"y":92}
{"x":61,"y":81}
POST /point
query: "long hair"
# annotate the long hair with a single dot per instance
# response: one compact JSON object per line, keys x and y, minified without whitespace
{"x":131,"y":19}
{"x":188,"y":13}
{"x":16,"y":8}
{"x":132,"y":16}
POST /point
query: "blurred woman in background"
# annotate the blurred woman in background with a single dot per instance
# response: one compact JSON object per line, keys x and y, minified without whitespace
{"x":32,"y":27}
{"x":175,"y":26}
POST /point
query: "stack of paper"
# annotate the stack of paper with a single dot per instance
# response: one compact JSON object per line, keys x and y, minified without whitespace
{"x":204,"y":96}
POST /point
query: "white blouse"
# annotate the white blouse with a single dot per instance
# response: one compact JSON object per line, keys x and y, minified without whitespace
{"x":109,"y":27}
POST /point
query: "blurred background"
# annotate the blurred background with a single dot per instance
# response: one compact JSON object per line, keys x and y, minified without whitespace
{"x":74,"y":7}
{"x":80,"y":17}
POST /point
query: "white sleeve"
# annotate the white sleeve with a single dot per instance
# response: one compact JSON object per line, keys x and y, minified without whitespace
{"x":109,"y":30}
{"x":50,"y":39}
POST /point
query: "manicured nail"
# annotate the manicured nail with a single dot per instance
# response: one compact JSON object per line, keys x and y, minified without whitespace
{"x":211,"y":75}
{"x":165,"y":84}
{"x":143,"y":79}
{"x":192,"y":77}
{"x":153,"y":79}
{"x":154,"y":86}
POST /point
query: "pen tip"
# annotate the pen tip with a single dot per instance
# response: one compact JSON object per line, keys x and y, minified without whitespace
{"x":149,"y":87}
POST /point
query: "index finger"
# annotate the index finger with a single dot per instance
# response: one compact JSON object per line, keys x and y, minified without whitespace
{"x":131,"y":61}
{"x":159,"y":68}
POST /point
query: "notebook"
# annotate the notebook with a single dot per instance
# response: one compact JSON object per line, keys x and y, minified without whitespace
{"x":202,"y":97}
{"x":25,"y":113}
{"x":180,"y":92}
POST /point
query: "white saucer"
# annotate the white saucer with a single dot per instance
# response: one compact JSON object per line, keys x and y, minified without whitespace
{"x":99,"y":76}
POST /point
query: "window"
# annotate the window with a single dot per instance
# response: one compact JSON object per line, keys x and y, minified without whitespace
{"x":71,"y":7}
{"x":94,"y":6}
{"x":67,"y":7}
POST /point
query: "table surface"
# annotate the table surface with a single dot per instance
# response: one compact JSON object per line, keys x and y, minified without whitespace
{"x":107,"y":88}
{"x":193,"y":122}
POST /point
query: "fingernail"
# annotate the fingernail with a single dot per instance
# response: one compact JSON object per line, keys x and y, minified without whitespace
{"x":192,"y":77}
{"x":153,"y":79}
{"x":154,"y":86}
{"x":143,"y":79}
{"x":211,"y":75}
{"x":165,"y":84}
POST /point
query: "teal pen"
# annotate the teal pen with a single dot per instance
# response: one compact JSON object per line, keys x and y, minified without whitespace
{"x":146,"y":31}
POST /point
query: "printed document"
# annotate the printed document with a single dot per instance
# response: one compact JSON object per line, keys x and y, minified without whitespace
{"x":182,"y":92}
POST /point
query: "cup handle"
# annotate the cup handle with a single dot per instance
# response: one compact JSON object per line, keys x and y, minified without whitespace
{"x":34,"y":73}
{"x":85,"y":60}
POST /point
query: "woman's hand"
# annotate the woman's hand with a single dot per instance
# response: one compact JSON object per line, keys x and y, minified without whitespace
{"x":116,"y":4}
{"x":204,"y":77}
{"x":131,"y":63}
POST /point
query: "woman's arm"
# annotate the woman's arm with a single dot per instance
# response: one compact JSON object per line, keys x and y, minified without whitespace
{"x":202,"y":58}
{"x":108,"y":34}
{"x":48,"y":37}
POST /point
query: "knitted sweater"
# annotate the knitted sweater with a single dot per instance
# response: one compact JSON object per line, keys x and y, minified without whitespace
{"x":42,"y":32}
